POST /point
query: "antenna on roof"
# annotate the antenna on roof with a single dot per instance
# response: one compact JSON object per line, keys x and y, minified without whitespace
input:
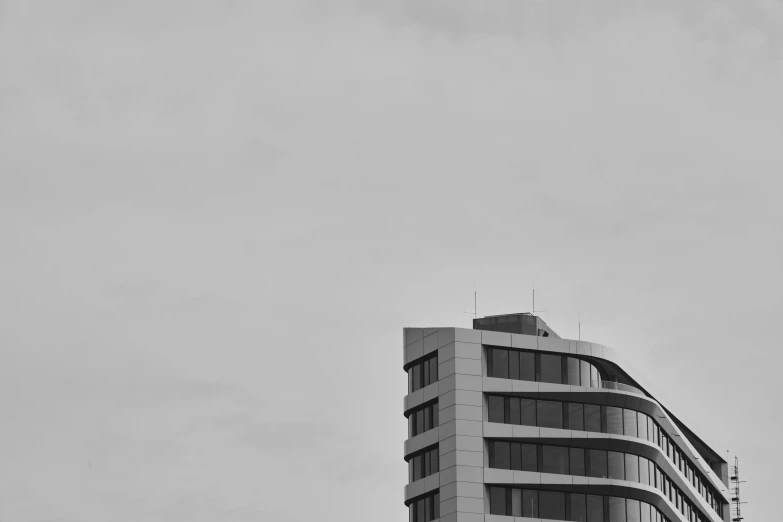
{"x":534,"y":311}
{"x":475,"y":302}
{"x":735,"y":491}
{"x":579,"y":318}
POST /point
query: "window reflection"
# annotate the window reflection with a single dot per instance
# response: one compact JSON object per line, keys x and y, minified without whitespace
{"x":607,"y":419}
{"x":579,"y":507}
{"x":423,"y":373}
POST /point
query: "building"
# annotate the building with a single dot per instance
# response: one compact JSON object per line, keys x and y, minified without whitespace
{"x":509,"y":420}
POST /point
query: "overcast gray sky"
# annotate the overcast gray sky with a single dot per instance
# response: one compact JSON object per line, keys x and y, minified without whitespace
{"x":216,"y":218}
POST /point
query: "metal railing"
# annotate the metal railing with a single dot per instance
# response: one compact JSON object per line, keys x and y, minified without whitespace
{"x":609,"y":385}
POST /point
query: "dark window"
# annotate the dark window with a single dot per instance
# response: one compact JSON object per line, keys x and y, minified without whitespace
{"x":502,"y":455}
{"x":500,"y":363}
{"x":513,"y":364}
{"x":416,"y":377}
{"x":554,"y":459}
{"x":584,"y":370}
{"x":616,"y":509}
{"x":528,"y":412}
{"x":420,"y":421}
{"x":527,"y":366}
{"x":433,"y":370}
{"x":516,"y":457}
{"x":575,"y":416}
{"x":630,"y":422}
{"x":592,"y":417}
{"x":577,"y":462}
{"x":529,"y":503}
{"x":595,"y":508}
{"x":529,"y":457}
{"x":631,"y":467}
{"x":436,"y":506}
{"x":515,"y":414}
{"x":594,"y":377}
{"x":597,"y":462}
{"x":497,"y":500}
{"x":578,"y":508}
{"x":616,"y":465}
{"x":496,"y":408}
{"x":425,"y":372}
{"x":573,"y":371}
{"x":550,"y":414}
{"x":614,"y":420}
{"x":435,"y":415}
{"x":633,"y":511}
{"x":551,"y":368}
{"x":551,"y":505}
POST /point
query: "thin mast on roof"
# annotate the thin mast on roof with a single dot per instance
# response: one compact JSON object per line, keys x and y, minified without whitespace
{"x":735,"y":483}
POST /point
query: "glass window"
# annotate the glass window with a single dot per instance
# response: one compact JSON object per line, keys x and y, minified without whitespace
{"x":650,"y":430}
{"x":642,"y":428}
{"x":527,"y":366}
{"x":416,"y":467}
{"x":551,"y":368}
{"x":575,"y":416}
{"x":500,"y":363}
{"x":529,"y":457}
{"x":646,"y":515}
{"x":597,"y":463}
{"x":436,"y":506}
{"x":435,"y":413}
{"x":416,"y":377}
{"x":502,"y":455}
{"x":420,"y":513}
{"x":550,"y":414}
{"x":528,"y":412}
{"x":516,"y":502}
{"x":420,"y":421}
{"x":551,"y":505}
{"x":595,"y":508}
{"x":529,"y":503}
{"x":614,"y":420}
{"x":629,"y":418}
{"x":516,"y":456}
{"x":433,"y":370}
{"x":592,"y":417}
{"x":578,"y":508}
{"x":554,"y":460}
{"x":633,"y":511}
{"x":644,"y":471}
{"x":616,"y":462}
{"x":497,"y":500}
{"x":495,"y":408}
{"x":594,"y":377}
{"x":572,"y":371}
{"x":515,"y":414}
{"x":616,"y":509}
{"x":513,"y":364}
{"x":631,"y":467}
{"x":584,"y":370}
{"x":577,"y":461}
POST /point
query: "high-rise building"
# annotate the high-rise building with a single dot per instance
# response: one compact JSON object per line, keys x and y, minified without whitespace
{"x":509,"y":420}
